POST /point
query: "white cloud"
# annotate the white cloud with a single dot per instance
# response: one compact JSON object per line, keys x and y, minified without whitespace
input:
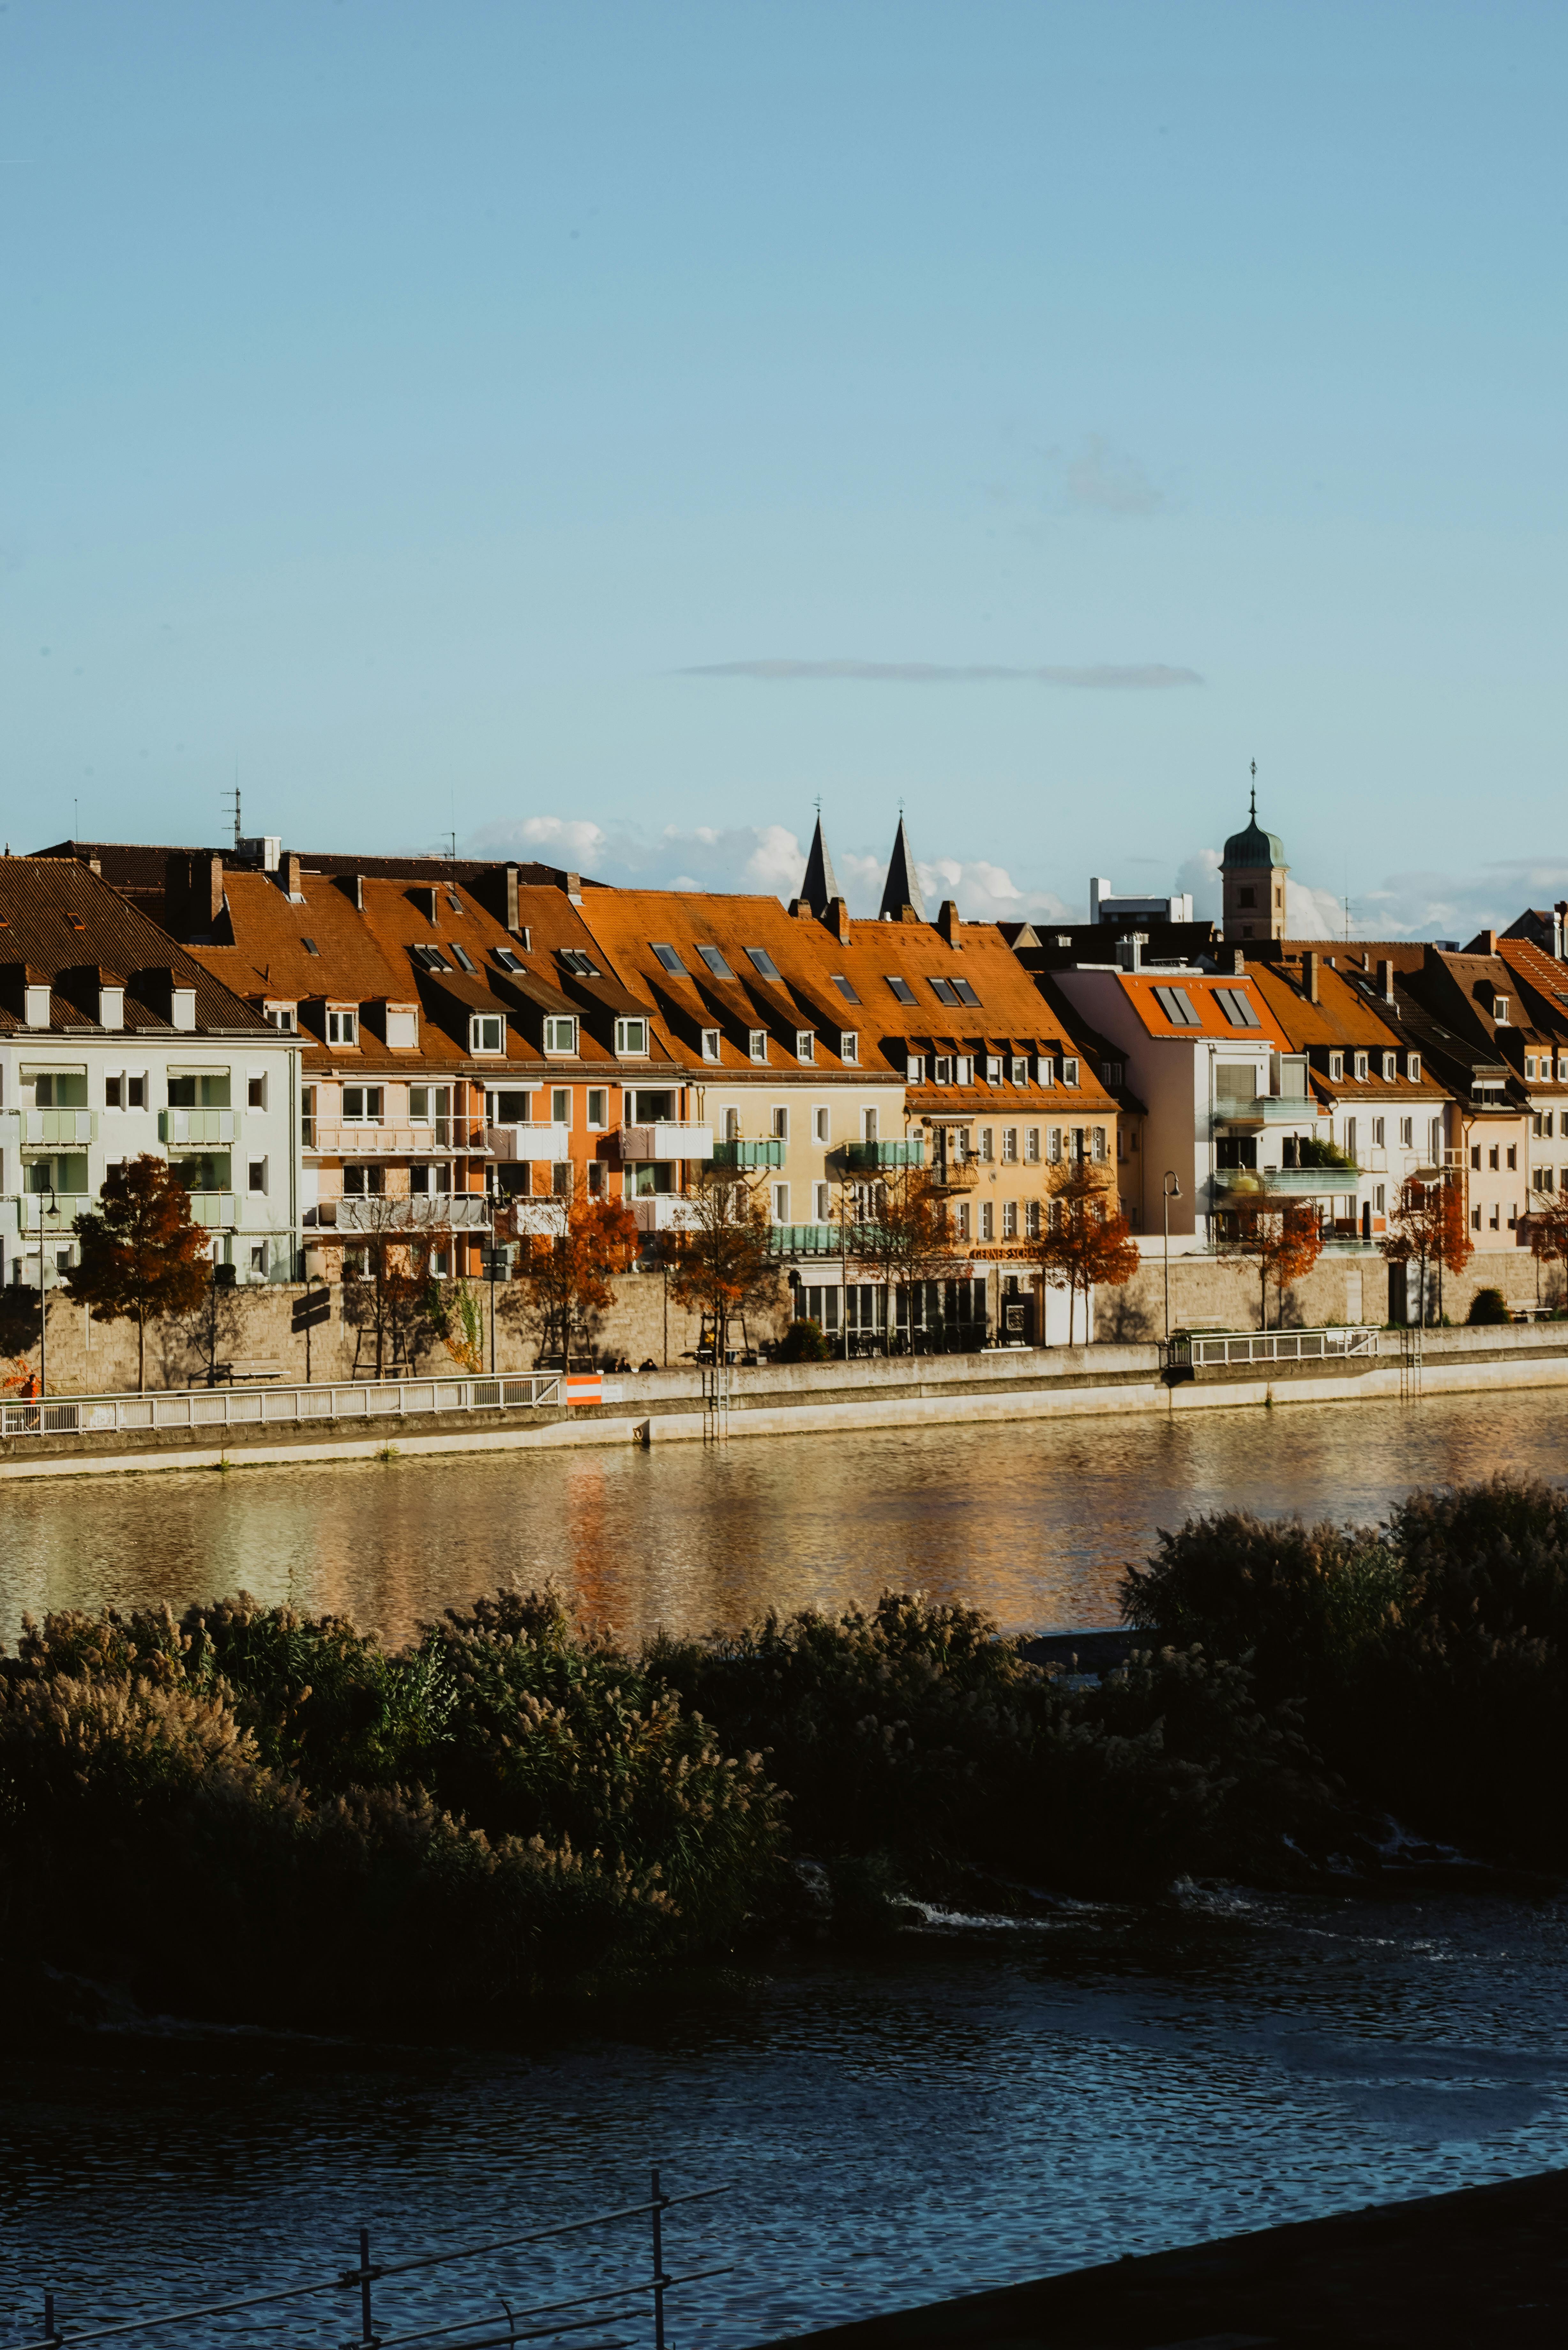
{"x":1103,"y":677}
{"x":984,"y":893}
{"x":1102,"y":480}
{"x":1200,"y":874}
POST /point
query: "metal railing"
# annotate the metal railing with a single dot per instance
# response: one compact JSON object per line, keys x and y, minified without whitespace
{"x":277,"y":1406}
{"x":730,"y":1152}
{"x":501,"y":2324}
{"x":909,"y":1150}
{"x":1197,"y":1348}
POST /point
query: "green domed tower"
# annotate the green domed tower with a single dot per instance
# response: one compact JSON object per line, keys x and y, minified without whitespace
{"x":1253,"y":871}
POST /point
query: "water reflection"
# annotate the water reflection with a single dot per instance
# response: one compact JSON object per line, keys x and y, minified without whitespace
{"x":1032,"y":1522}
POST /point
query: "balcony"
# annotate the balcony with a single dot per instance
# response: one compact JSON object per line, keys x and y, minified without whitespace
{"x":549,"y":1143}
{"x":215,"y":1212}
{"x":666,"y":1212}
{"x":1289,"y":1182}
{"x":820,"y":1239}
{"x":436,"y":1140}
{"x":955,"y":1174}
{"x":769,"y":1152}
{"x":1267,"y":1109}
{"x":429,"y":1212}
{"x":666,"y":1140}
{"x":198,"y":1126}
{"x":909,"y":1152}
{"x":46,"y":1129}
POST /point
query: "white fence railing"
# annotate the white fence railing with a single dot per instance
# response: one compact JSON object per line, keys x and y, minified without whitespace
{"x":1272,"y":1347}
{"x":269,"y":1407}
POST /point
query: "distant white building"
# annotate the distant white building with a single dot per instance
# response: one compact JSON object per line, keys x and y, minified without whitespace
{"x":1104,"y":908}
{"x":113,"y":1042}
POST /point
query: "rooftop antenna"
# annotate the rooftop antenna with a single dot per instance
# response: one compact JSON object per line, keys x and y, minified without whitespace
{"x":1254,"y":810}
{"x":234,"y":796}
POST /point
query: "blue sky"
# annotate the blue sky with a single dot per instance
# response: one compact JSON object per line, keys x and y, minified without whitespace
{"x":605,"y":429}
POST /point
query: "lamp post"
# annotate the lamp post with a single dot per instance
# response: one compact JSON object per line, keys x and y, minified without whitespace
{"x":54,"y":1209}
{"x":1170,"y":1189}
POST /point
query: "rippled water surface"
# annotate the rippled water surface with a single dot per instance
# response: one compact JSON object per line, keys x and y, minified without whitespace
{"x":1033,"y":1523}
{"x":976,"y":2105}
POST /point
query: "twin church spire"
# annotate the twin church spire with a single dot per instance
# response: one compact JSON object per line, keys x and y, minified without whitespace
{"x":902,"y":887}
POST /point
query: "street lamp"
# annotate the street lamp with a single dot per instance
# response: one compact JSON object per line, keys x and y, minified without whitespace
{"x":1170,"y":1189}
{"x":54,"y":1209}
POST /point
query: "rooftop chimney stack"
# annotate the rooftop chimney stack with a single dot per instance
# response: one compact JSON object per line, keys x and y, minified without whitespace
{"x":291,"y":877}
{"x":1386,"y":980}
{"x":1309,"y":977}
{"x":513,"y":921}
{"x":948,"y":921}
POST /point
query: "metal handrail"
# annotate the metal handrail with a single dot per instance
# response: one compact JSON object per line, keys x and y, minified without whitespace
{"x":1197,"y":1348}
{"x":270,"y":1406}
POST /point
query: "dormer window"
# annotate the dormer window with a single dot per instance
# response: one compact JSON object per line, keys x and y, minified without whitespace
{"x":1336,"y":1068}
{"x":402,"y":1028}
{"x":343,"y":1028}
{"x":849,"y":1046}
{"x":111,"y":1008}
{"x":712,"y":1041}
{"x":1069,"y":1072}
{"x":631,"y":1037}
{"x":284,"y":1016}
{"x":38,"y":1008}
{"x":1499,"y":1010}
{"x":487,"y":1033}
{"x":1018,"y":1070}
{"x":1360,"y":1065}
{"x":1045,"y":1069}
{"x":561,"y":1036}
{"x":1413,"y":1067}
{"x":758,"y":1043}
{"x":1390,"y":1067}
{"x":805,"y":1044}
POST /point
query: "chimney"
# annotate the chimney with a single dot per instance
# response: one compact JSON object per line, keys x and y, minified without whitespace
{"x":574,"y":887}
{"x":193,"y":894}
{"x":1129,"y":949}
{"x":948,"y":921}
{"x":1559,"y":923}
{"x":291,"y":881}
{"x":1386,"y":980}
{"x":837,"y":920}
{"x":1239,"y":963}
{"x":353,"y":887}
{"x":1309,"y":977}
{"x":509,"y":876}
{"x":424,"y":899}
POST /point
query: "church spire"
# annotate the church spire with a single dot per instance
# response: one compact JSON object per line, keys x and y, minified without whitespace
{"x":902,"y":886}
{"x":821,"y":884}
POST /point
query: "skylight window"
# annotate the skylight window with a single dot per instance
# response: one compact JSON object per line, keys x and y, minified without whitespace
{"x":715,"y":962}
{"x":945,"y":993}
{"x":669,"y":959}
{"x":966,"y":993}
{"x":1176,"y":1006}
{"x":580,"y":965}
{"x":509,"y":962}
{"x":310,"y":946}
{"x":1233,"y":1002}
{"x":429,"y":958}
{"x":763,"y":963}
{"x":455,"y":901}
{"x":464,"y":962}
{"x":845,"y":988}
{"x":901,"y":989}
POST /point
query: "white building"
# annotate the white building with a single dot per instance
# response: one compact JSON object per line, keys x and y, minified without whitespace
{"x":115,"y":1041}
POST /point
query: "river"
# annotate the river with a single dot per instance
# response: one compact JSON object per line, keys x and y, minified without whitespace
{"x":979,"y":2103}
{"x":1033,"y":1523}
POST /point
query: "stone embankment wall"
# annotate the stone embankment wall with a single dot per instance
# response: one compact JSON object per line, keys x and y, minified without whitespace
{"x":253,"y":1328}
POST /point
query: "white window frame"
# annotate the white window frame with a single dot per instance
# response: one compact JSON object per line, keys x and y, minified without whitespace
{"x":805,"y":1045}
{"x":478,"y":1023}
{"x":993,"y":1068}
{"x":254,"y":1189}
{"x":757,"y":1045}
{"x":1069,"y":1070}
{"x":1336,"y":1069}
{"x":849,"y":1046}
{"x":1032,"y":1146}
{"x":822,"y":1199}
{"x":561,"y":1036}
{"x":868,"y":1125}
{"x":914,"y":1069}
{"x":1390,"y":1069}
{"x":1361,"y":1065}
{"x":822,"y":1125}
{"x":1045,"y":1069}
{"x":1413,"y":1068}
{"x":625,"y":1050}
{"x":561,"y":1107}
{"x":1010,"y":1145}
{"x":342,"y":1026}
{"x":601,"y":1094}
{"x":780,"y":1195}
{"x":779,"y":1128}
{"x":713,"y":1042}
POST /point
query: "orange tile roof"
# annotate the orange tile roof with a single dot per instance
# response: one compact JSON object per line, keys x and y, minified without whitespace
{"x":1202,"y":990}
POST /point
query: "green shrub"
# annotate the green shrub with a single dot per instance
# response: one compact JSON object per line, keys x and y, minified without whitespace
{"x":803,"y":1342}
{"x":1487,"y":1307}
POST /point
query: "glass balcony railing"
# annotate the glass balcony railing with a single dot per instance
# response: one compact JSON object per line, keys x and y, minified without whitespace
{"x":768,"y":1152}
{"x":1266,"y":1109}
{"x":820,"y":1239}
{"x":909,"y":1151}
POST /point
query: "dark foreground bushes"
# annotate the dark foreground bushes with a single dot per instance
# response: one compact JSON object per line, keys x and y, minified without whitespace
{"x":1428,"y":1657}
{"x":253,"y":1813}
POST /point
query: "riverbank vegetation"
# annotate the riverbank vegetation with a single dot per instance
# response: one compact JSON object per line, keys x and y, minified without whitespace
{"x":252,"y":1813}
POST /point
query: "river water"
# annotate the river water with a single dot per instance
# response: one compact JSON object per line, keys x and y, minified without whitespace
{"x":979,"y":2103}
{"x":1033,"y":1523}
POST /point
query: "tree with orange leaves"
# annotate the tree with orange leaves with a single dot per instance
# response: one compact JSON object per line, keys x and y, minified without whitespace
{"x":1427,"y":1228}
{"x":1084,"y":1239}
{"x":1281,"y":1236}
{"x":569,"y":1250}
{"x":721,"y":1265}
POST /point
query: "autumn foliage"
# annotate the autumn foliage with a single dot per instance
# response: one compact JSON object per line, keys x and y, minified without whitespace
{"x":567,"y":1271}
{"x":1085,"y":1241}
{"x":1427,"y":1228}
{"x":1283,"y":1238}
{"x":141,"y":1257}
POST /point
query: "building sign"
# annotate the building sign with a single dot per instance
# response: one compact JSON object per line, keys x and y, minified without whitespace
{"x":585,"y":1387}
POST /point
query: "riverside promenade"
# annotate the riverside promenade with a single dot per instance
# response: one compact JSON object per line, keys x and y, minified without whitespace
{"x":230,"y":1427}
{"x":1478,"y":2270}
